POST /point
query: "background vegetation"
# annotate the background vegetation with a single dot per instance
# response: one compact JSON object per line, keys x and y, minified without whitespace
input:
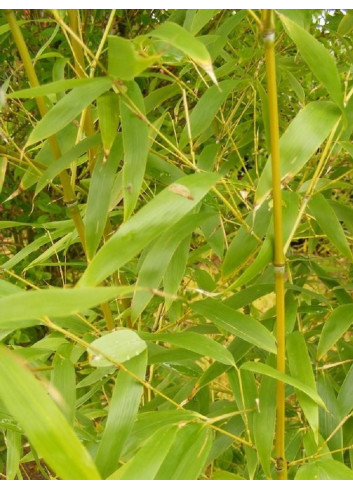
{"x":138,"y":319}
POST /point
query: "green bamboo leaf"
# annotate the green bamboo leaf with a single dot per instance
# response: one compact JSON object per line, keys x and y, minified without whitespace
{"x":345,"y":394}
{"x":175,"y":271}
{"x":135,"y":155}
{"x":156,"y":97}
{"x":49,"y":88}
{"x":303,"y":137}
{"x":236,"y":323}
{"x":108,"y":114}
{"x":335,"y":326}
{"x":206,"y":109}
{"x":36,"y":304}
{"x":311,"y":51}
{"x":159,"y":214}
{"x":63,"y":380}
{"x":264,"y":423}
{"x":180,"y":38}
{"x":307,"y":472}
{"x":124,"y":61}
{"x":201,"y":18}
{"x":118,"y":346}
{"x":42,"y":421}
{"x":187,"y":457}
{"x":263,"y":369}
{"x":195,"y":342}
{"x":157,"y":259}
{"x":301,"y":369}
{"x":147,"y":461}
{"x":99,"y":196}
{"x":346,"y":25}
{"x":334,"y":470}
{"x":65,"y":161}
{"x":122,"y":412}
{"x":329,"y":419}
{"x":244,"y":242}
{"x":68,"y":108}
{"x":13,"y":453}
{"x":328,"y":222}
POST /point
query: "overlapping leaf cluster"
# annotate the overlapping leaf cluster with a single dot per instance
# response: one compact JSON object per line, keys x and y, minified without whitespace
{"x":151,"y":324}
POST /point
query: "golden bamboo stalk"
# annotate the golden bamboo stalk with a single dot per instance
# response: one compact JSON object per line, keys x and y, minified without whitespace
{"x":268,"y":31}
{"x":69,"y":194}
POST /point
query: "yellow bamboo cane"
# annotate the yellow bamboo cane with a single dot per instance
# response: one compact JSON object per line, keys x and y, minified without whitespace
{"x":268,"y":31}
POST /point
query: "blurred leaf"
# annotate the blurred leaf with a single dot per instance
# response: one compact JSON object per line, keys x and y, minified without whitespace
{"x":35,"y":304}
{"x":124,"y":61}
{"x":328,"y":222}
{"x":311,"y":51}
{"x":119,"y":346}
{"x":108,"y":114}
{"x":187,"y":457}
{"x":304,"y":135}
{"x":48,"y":88}
{"x":44,"y":424}
{"x":13,"y":455}
{"x":336,"y":325}
{"x":122,"y":413}
{"x":205,"y":110}
{"x":99,"y":196}
{"x":346,"y":25}
{"x":236,"y":323}
{"x":195,"y":342}
{"x":68,"y":108}
{"x":157,"y":259}
{"x":264,"y":423}
{"x":301,"y":369}
{"x":178,"y":37}
{"x":263,"y":369}
{"x":176,"y":270}
{"x":63,"y":380}
{"x":200,"y":19}
{"x":163,"y":211}
{"x":147,"y":461}
{"x":345,"y":394}
{"x":135,"y":155}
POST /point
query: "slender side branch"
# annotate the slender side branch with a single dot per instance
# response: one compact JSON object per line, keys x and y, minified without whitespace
{"x":268,"y":30}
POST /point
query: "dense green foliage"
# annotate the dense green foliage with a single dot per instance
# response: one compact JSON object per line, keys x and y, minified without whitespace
{"x":137,"y":308}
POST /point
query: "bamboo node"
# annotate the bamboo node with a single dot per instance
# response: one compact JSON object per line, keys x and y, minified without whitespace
{"x":71,"y":203}
{"x":280,"y":269}
{"x":269,"y":37}
{"x":279,"y":465}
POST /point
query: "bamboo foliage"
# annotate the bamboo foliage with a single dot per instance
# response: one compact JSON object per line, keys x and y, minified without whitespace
{"x":176,"y":233}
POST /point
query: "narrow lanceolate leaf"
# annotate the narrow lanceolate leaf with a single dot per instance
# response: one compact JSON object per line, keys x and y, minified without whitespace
{"x":336,"y":325}
{"x":301,"y":369}
{"x":178,"y":37}
{"x":122,"y":412}
{"x":159,"y":214}
{"x":49,"y":88}
{"x":118,"y":346}
{"x":329,"y":223}
{"x":44,"y":424}
{"x":206,"y":109}
{"x":236,"y":323}
{"x":65,"y":161}
{"x":36,"y":304}
{"x":135,"y":141}
{"x":63,"y":380}
{"x":345,"y":394}
{"x":108,"y":114}
{"x":157,"y":259}
{"x":194,"y":342}
{"x":304,"y":135}
{"x":187,"y":457}
{"x":311,"y":51}
{"x":13,"y":455}
{"x":68,"y":108}
{"x":99,"y":196}
{"x":147,"y":461}
{"x":264,"y":423}
{"x":263,"y":369}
